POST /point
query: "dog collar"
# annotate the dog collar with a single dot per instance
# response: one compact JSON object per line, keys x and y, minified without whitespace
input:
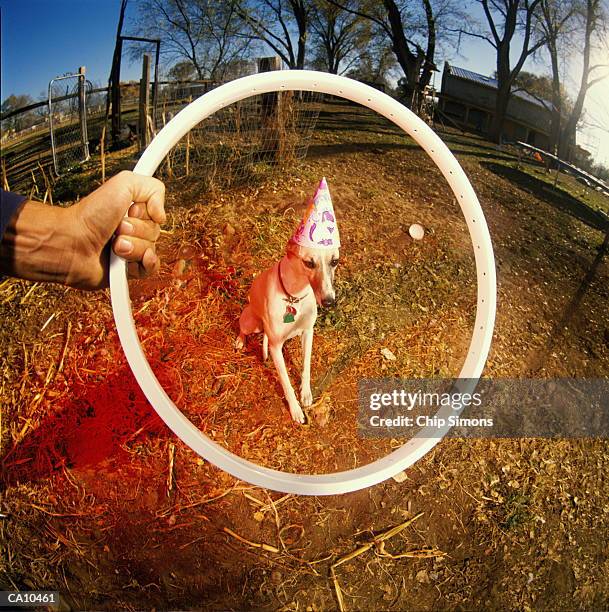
{"x":291,"y":299}
{"x":290,"y":311}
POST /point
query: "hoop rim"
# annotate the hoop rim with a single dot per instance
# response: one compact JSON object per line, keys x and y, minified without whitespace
{"x":427,"y":438}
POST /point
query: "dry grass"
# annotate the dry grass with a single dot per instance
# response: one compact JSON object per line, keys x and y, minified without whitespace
{"x":135,"y":519}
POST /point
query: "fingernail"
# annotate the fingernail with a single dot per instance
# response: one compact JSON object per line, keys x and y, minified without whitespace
{"x":136,"y":211}
{"x":153,"y":259}
{"x":126,"y":228}
{"x":123,"y":246}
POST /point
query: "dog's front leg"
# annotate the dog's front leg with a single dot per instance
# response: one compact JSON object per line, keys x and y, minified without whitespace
{"x":290,"y":396}
{"x":306,"y":397}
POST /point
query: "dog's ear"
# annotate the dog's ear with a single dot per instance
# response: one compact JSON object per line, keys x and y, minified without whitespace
{"x":292,"y":249}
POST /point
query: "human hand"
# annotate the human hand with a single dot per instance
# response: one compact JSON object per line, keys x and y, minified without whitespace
{"x":72,"y":245}
{"x":100,"y":216}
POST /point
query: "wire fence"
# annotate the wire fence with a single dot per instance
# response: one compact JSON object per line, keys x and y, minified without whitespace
{"x":67,"y":121}
{"x":27,"y":163}
{"x":242,"y":141}
{"x":235,"y":145}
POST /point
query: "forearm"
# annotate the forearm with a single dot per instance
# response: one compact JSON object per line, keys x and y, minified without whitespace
{"x":38,"y":243}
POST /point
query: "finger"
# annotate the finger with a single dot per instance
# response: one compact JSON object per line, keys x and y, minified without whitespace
{"x":148,"y":267}
{"x":139,"y":228}
{"x":135,"y":270}
{"x":138,"y":211}
{"x":151,"y":191}
{"x":151,"y":262}
{"x":131,"y":249}
{"x":100,"y":212}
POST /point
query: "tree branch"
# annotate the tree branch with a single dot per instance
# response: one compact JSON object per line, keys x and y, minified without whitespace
{"x":473,"y":34}
{"x":372,"y":18}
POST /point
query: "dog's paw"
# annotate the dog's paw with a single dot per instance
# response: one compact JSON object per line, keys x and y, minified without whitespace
{"x":239,"y":343}
{"x":306,"y":397}
{"x":297,"y":414}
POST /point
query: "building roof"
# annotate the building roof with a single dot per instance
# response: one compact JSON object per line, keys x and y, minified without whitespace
{"x":491,"y":82}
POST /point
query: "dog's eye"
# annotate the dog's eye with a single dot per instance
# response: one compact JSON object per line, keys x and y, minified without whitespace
{"x":309,"y":263}
{"x":334,"y":263}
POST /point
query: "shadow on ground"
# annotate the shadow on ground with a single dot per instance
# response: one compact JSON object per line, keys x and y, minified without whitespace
{"x":554,"y":196}
{"x":93,"y":425}
{"x":539,"y":358}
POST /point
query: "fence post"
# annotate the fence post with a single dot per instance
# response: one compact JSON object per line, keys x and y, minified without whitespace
{"x":155,"y":88}
{"x":116,"y":93}
{"x":82,"y":110}
{"x":188,"y":145}
{"x":5,"y":185}
{"x":144,"y":140}
{"x":271,"y":115}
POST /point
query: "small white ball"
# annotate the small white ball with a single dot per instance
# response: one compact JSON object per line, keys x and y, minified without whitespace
{"x":416,"y":231}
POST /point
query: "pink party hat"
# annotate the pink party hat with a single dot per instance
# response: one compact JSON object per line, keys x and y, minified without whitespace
{"x":318,"y":228}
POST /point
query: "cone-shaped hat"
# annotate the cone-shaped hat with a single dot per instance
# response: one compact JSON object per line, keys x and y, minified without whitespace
{"x":318,"y":228}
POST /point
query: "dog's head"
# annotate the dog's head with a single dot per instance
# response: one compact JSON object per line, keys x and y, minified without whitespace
{"x":319,"y":265}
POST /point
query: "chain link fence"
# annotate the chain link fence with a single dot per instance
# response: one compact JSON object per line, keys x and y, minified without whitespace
{"x":68,"y":121}
{"x":38,"y":146}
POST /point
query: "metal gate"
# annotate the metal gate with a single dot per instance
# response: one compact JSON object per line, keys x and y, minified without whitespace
{"x":68,"y":121}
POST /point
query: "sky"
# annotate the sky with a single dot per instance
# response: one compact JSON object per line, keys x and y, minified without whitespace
{"x":41,"y":39}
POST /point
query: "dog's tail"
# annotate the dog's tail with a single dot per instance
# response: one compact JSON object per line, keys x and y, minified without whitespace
{"x":265,"y":347}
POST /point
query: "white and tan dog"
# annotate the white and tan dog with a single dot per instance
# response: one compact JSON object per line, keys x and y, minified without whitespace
{"x":283,"y":299}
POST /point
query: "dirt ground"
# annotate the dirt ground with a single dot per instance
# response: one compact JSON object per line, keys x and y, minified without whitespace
{"x":103,"y":503}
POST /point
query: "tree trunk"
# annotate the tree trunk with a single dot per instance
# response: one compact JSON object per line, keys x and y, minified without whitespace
{"x":501,"y":104}
{"x":570,"y":129}
{"x":429,"y":64}
{"x":409,"y":62}
{"x":504,"y":88}
{"x":505,"y":74}
{"x":300,"y":14}
{"x":555,"y":116}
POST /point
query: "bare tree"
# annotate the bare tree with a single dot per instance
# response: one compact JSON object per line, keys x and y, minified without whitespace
{"x":593,"y":15}
{"x":554,"y":25}
{"x":338,"y":36}
{"x":277,"y":23}
{"x":413,"y":30}
{"x":388,"y":17}
{"x":200,"y":32}
{"x":506,"y":18}
{"x":375,"y":63}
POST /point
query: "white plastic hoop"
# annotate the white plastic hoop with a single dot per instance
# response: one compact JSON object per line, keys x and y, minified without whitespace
{"x":427,"y":438}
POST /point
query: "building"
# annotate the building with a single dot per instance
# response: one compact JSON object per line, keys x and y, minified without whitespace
{"x":468,"y":98}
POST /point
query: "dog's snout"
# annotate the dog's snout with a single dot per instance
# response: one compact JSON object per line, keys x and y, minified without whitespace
{"x":328,"y":301}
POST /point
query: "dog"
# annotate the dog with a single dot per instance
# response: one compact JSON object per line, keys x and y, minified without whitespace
{"x":283,"y":299}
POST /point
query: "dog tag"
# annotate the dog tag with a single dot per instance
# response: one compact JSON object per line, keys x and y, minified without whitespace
{"x":290,"y":311}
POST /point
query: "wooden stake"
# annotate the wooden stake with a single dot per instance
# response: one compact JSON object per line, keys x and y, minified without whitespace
{"x":188,"y":145}
{"x":4,"y":177}
{"x":272,"y":119}
{"x":82,"y":111}
{"x":102,"y":145}
{"x":144,"y":102}
{"x":188,"y":153}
